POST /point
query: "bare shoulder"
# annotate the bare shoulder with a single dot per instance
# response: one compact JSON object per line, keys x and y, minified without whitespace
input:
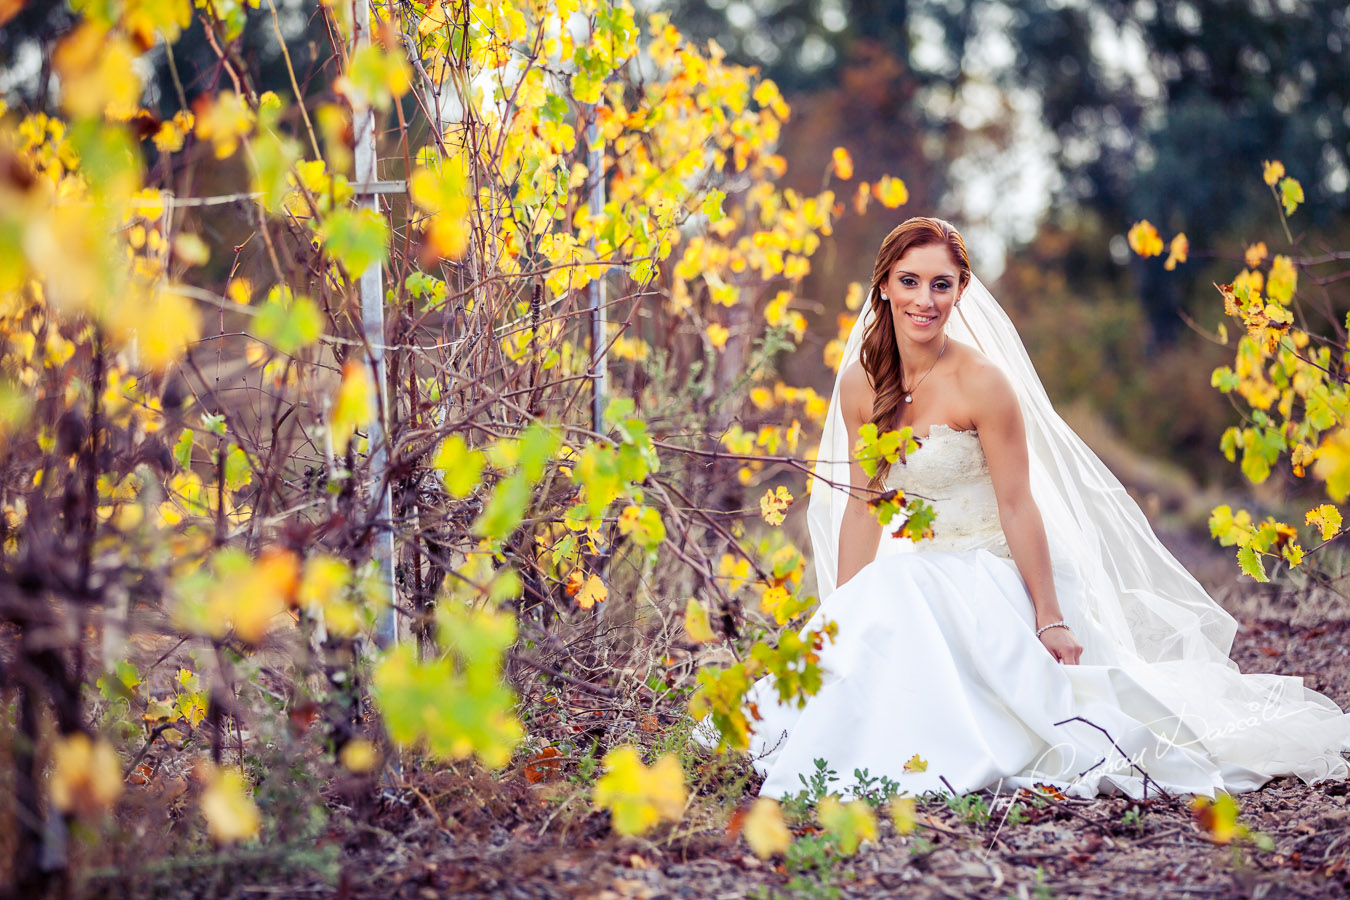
{"x":855,"y":391}
{"x":985,"y":386}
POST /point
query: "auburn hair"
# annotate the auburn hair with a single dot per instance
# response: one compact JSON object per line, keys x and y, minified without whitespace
{"x":880,"y":355}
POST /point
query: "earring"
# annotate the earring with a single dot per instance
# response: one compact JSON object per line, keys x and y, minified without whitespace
{"x":883,"y":296}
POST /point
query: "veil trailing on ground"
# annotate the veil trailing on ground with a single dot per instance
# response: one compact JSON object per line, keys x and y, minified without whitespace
{"x":1141,"y":596}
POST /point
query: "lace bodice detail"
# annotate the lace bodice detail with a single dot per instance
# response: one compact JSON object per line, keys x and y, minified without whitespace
{"x":949,"y":470}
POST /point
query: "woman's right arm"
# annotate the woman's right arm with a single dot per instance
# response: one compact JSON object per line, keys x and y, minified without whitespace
{"x":860,"y":533}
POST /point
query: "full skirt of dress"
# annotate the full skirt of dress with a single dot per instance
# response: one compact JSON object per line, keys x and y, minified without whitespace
{"x":936,"y":655}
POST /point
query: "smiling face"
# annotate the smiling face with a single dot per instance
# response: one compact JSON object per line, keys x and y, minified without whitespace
{"x":922,"y":287}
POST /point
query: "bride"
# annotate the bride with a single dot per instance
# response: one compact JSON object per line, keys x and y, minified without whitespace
{"x":1043,"y":635}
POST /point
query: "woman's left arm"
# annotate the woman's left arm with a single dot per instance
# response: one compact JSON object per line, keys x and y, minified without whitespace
{"x":997,"y":417}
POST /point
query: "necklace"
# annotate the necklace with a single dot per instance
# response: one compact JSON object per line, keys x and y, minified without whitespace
{"x":909,"y":394}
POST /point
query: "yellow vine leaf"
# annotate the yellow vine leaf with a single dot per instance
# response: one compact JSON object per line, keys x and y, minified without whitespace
{"x":696,"y":623}
{"x":638,"y":797}
{"x":1326,"y":519}
{"x":1255,"y":254}
{"x":1332,"y":463}
{"x":227,"y":804}
{"x":890,"y":191}
{"x":162,"y":327}
{"x":902,"y":811}
{"x":848,"y":824}
{"x":843,"y":163}
{"x":1144,"y":239}
{"x":97,"y":72}
{"x":1219,"y":816}
{"x":764,"y":829}
{"x":774,"y":504}
{"x":353,"y":406}
{"x":592,"y":592}
{"x":359,"y":756}
{"x":1272,"y":171}
{"x":86,"y":775}
{"x":223,"y":120}
{"x":1176,"y":251}
{"x":717,"y":335}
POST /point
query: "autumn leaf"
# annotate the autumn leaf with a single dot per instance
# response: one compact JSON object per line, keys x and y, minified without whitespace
{"x":1291,"y":195}
{"x":543,"y":765}
{"x":227,"y":803}
{"x":445,"y":195}
{"x":1218,"y":817}
{"x":1250,"y":563}
{"x":848,"y":824}
{"x":1144,"y":239}
{"x":843,"y":163}
{"x":162,"y":326}
{"x":764,"y":829}
{"x":1255,"y":254}
{"x":1176,"y":251}
{"x":1272,"y":171}
{"x":890,"y":192}
{"x":224,"y":120}
{"x":696,"y":624}
{"x":592,"y":592}
{"x":359,"y":756}
{"x":916,"y":764}
{"x":357,"y":238}
{"x":902,"y":811}
{"x":638,"y":797}
{"x":353,"y":406}
{"x":1332,"y":463}
{"x":774,"y":504}
{"x":460,"y":467}
{"x":86,"y":775}
{"x":1326,"y":518}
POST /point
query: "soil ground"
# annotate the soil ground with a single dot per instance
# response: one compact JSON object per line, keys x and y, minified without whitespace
{"x":453,"y":833}
{"x":1108,"y":847}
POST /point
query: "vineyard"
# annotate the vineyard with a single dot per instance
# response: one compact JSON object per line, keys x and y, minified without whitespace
{"x":397,"y":468}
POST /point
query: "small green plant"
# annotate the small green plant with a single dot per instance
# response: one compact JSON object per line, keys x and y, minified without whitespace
{"x":815,"y":789}
{"x":876,"y":790}
{"x":1040,"y":888}
{"x":971,"y":807}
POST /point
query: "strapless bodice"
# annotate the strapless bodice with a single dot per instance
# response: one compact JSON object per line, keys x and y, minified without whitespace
{"x":950,"y":471}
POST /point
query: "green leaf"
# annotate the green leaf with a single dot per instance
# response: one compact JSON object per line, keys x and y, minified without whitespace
{"x":182,"y":449}
{"x":1225,"y":379}
{"x":357,"y":238}
{"x":273,"y":157}
{"x":1251,"y":564}
{"x":919,"y":525}
{"x":459,"y":466}
{"x":537,"y":446}
{"x":1291,"y":194}
{"x":289,"y":327}
{"x":712,"y":205}
{"x":238,"y":471}
{"x":505,"y":508}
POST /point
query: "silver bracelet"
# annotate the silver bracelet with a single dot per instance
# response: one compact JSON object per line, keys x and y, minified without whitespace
{"x":1059,"y":624}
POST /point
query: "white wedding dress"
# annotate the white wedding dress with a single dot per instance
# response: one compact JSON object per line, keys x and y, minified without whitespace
{"x":936,"y":655}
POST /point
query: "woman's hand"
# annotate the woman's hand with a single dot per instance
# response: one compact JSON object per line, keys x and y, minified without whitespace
{"x":1062,"y":645}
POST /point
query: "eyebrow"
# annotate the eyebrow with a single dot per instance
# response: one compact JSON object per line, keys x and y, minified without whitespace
{"x":916,"y":275}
